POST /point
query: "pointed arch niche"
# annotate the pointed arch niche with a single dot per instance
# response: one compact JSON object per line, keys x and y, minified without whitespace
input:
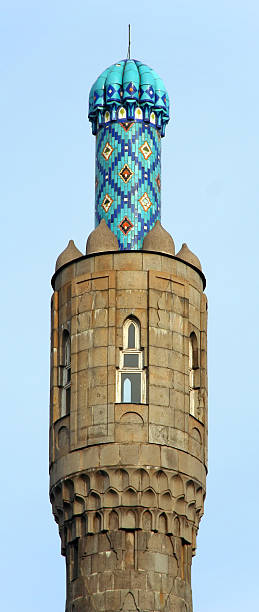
{"x":194,"y":374}
{"x":66,"y":373}
{"x":131,"y":376}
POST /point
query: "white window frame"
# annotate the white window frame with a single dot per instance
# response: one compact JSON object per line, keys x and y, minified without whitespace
{"x":131,"y":370}
{"x":126,"y":326}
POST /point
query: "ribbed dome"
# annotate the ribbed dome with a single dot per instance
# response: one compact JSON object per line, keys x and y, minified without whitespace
{"x":129,"y":83}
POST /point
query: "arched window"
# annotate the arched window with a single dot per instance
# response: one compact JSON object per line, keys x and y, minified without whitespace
{"x":127,"y":390}
{"x":131,"y":376}
{"x":131,"y":334}
{"x":66,"y":374}
{"x":194,"y":374}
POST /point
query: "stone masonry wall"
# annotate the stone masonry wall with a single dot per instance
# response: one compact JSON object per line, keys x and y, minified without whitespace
{"x":127,"y":481}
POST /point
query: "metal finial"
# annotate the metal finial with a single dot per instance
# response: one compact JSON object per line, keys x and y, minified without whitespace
{"x":128,"y":56}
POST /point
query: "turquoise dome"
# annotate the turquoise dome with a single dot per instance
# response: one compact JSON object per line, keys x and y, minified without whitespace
{"x":129,"y":84}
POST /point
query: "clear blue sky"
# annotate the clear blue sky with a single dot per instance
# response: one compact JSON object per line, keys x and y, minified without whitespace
{"x":50,"y":54}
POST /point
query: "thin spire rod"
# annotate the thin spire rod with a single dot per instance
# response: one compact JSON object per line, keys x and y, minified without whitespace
{"x":128,"y":56}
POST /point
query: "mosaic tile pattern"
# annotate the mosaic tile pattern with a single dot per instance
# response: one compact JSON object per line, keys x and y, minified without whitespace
{"x":128,"y":170}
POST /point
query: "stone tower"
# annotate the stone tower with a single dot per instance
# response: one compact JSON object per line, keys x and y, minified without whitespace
{"x":128,"y":403}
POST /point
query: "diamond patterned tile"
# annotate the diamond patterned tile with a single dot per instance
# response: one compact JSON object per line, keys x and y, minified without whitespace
{"x":107,"y":202}
{"x":131,"y":89}
{"x":158,"y":182}
{"x":107,"y":151}
{"x":127,"y":190}
{"x":110,"y":91}
{"x":125,"y":225}
{"x":126,"y":173}
{"x":146,"y":150}
{"x":145,"y":202}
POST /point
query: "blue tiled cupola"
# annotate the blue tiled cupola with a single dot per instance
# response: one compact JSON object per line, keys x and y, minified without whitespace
{"x":128,"y":109}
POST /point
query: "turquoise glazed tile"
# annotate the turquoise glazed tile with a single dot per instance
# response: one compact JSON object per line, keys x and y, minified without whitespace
{"x":128,"y":109}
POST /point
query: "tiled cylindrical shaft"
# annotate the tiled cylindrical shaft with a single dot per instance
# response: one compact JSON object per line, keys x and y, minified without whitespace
{"x":128,"y":180}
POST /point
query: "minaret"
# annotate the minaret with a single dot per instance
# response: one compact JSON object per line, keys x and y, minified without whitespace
{"x":128,"y":401}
